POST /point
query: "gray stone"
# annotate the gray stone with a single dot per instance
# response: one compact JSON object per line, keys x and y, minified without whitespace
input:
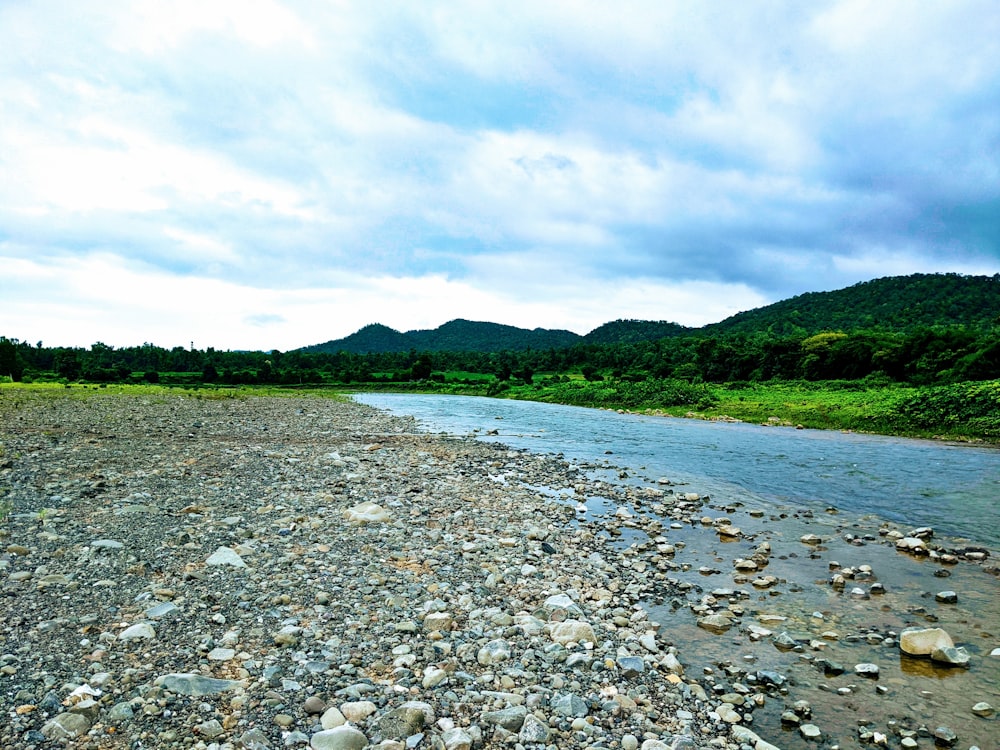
{"x":210,"y":728}
{"x":631,"y":666}
{"x":533,"y":730}
{"x":810,"y":732}
{"x":951,"y":655}
{"x":403,"y":721}
{"x":161,"y":610}
{"x":66,"y":726}
{"x":946,"y":597}
{"x":338,"y":738}
{"x":510,"y":719}
{"x":196,"y":684}
{"x":254,"y":739}
{"x":456,"y":738}
{"x":120,"y":713}
{"x":715,"y":623}
{"x":945,"y":736}
{"x":107,"y":545}
{"x":569,"y":704}
{"x":493,"y":652}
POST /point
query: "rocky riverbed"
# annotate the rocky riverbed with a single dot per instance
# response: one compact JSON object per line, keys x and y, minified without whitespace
{"x":179,"y":570}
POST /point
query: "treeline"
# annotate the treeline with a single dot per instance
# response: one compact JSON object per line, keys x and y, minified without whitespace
{"x":924,"y":356}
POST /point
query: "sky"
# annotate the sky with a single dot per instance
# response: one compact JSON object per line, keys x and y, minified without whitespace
{"x":256,"y":174}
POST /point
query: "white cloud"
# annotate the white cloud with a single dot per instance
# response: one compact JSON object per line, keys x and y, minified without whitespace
{"x":401,"y":162}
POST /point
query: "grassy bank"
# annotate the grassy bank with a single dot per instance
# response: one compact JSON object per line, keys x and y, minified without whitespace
{"x":962,"y":411}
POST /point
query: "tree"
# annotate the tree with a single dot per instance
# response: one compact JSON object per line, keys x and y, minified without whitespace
{"x":67,"y":364}
{"x":10,"y":363}
{"x":422,"y":367}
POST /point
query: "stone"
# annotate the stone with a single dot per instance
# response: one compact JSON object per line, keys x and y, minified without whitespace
{"x":946,"y":597}
{"x":569,"y":704}
{"x":810,"y":732}
{"x":562,"y":602}
{"x":983,"y":709}
{"x":715,"y":623}
{"x":923,"y":641}
{"x":494,"y":652}
{"x":332,"y":718}
{"x":437,"y":622}
{"x":211,"y":728}
{"x":66,"y":726}
{"x":433,"y":676}
{"x":357,"y":711}
{"x":945,"y":736}
{"x":572,"y":631}
{"x":314,"y":705}
{"x":456,"y":738}
{"x":221,"y":654}
{"x":811,"y":539}
{"x":254,"y":739}
{"x":747,"y":737}
{"x":629,"y":742}
{"x":366,"y":512}
{"x":161,"y":610}
{"x":951,"y":655}
{"x":867,"y":669}
{"x":533,"y":730}
{"x":226,"y":556}
{"x":339,"y":738}
{"x":403,"y":721}
{"x":138,"y":632}
{"x":196,"y":684}
{"x":510,"y":719}
{"x":912,"y":544}
{"x":631,"y":666}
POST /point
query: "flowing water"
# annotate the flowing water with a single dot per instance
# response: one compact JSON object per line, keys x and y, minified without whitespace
{"x":778,"y":484}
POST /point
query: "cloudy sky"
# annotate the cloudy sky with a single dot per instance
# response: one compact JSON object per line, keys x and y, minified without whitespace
{"x":263,"y":174}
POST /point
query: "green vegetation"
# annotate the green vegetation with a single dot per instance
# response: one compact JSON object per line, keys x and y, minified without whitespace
{"x":915,"y":355}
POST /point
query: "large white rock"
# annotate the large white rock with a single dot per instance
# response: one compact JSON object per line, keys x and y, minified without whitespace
{"x":924,"y":641}
{"x":366,"y":512}
{"x":570,"y":631}
{"x":139,"y":631}
{"x":226,"y":556}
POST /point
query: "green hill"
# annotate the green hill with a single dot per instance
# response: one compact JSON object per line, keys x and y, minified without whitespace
{"x":456,"y":336}
{"x":896,"y":303}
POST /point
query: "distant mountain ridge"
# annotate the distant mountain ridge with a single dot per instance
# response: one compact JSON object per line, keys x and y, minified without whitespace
{"x":899,"y":303}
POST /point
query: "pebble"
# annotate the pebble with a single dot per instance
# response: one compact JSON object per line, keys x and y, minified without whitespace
{"x":400,"y":594}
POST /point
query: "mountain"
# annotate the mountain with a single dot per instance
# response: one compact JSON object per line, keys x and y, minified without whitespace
{"x":897,"y":303}
{"x":632,"y":331}
{"x":456,"y":335}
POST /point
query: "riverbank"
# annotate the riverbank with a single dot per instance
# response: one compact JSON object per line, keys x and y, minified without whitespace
{"x":207,"y":569}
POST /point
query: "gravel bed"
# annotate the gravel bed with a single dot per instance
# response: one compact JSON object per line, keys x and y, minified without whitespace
{"x":180,"y":570}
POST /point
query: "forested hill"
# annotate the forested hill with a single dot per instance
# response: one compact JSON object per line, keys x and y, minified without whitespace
{"x":896,"y":303}
{"x":456,"y":335}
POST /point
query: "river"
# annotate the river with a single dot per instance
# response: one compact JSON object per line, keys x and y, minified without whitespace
{"x":953,"y":488}
{"x":779,"y":484}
